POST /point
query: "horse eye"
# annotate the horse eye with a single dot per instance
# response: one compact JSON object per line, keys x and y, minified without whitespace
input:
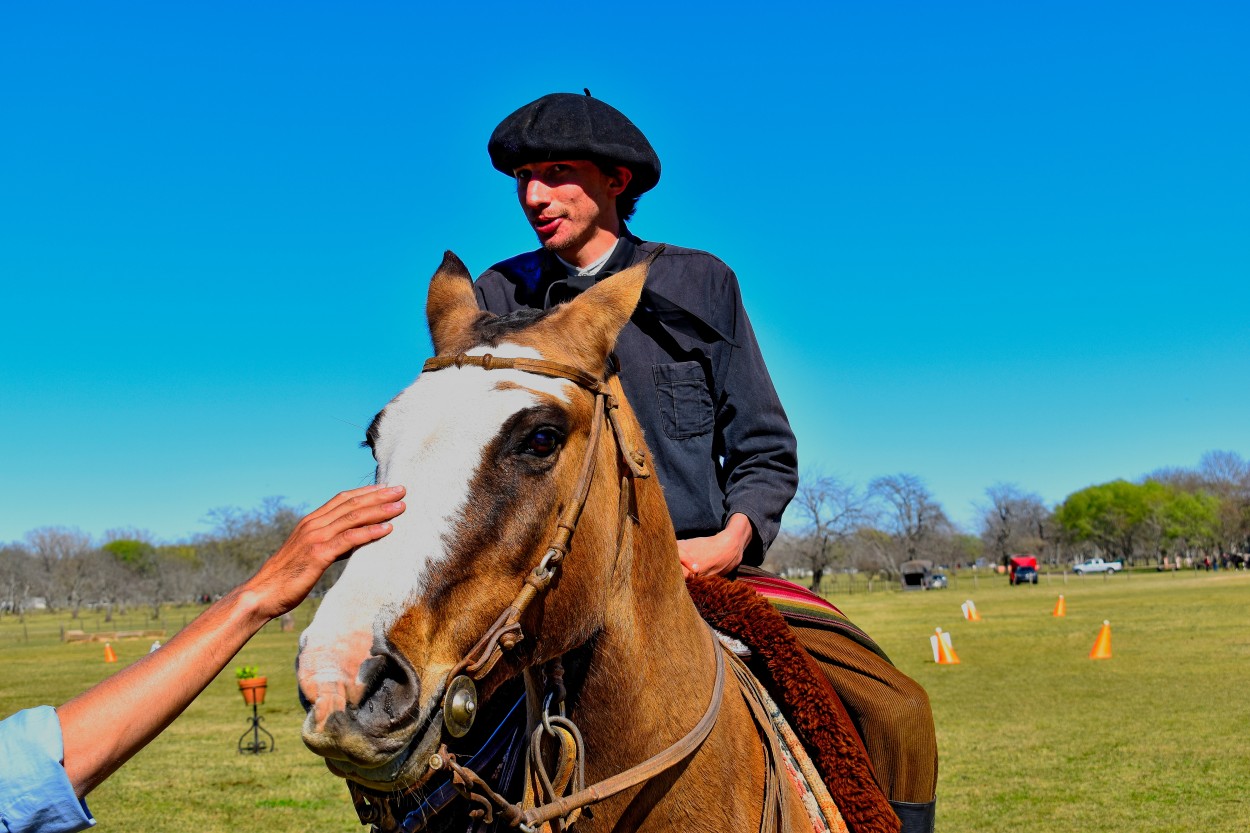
{"x":543,"y":442}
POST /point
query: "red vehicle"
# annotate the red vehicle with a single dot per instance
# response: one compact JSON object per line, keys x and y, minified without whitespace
{"x":1022,"y":569}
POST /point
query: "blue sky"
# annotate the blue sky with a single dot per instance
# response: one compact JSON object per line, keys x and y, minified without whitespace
{"x":979,"y":242}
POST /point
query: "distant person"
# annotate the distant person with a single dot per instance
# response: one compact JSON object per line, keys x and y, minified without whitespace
{"x":50,"y":759}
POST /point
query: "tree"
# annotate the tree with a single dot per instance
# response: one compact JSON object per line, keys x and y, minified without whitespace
{"x":831,"y":511}
{"x":17,"y":577}
{"x":787,"y":555}
{"x":1015,"y":521}
{"x":153,"y":574}
{"x":1187,"y":480}
{"x":1118,"y":517}
{"x":1227,"y":476}
{"x":241,"y":541}
{"x":132,"y":553}
{"x":912,"y":517}
{"x":1225,"y":471}
{"x":872,"y":549}
{"x":1107,"y":515}
{"x":1190,"y":520}
{"x":962,"y":548}
{"x":65,"y":570}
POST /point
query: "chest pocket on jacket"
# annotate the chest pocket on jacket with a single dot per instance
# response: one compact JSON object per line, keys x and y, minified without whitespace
{"x":684,"y":402}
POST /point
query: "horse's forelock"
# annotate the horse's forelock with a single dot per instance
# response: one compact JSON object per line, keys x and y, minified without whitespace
{"x":490,"y":332}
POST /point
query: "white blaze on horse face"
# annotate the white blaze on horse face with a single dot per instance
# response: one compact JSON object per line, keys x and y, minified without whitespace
{"x":431,"y":439}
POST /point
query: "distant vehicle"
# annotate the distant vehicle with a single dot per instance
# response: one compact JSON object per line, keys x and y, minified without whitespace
{"x":1024,"y":575}
{"x":938,"y":582}
{"x":917,"y":574}
{"x":1097,"y":565}
{"x":1022,"y":569}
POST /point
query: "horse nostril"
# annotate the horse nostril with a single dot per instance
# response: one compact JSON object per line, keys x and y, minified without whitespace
{"x":390,"y":692}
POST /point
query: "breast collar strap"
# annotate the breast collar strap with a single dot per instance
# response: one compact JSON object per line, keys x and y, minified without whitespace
{"x":557,"y":813}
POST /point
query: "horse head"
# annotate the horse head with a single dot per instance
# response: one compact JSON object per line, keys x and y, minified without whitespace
{"x":493,"y":456}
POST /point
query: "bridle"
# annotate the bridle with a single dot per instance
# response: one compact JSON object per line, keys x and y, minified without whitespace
{"x":460,"y":695}
{"x":506,"y":633}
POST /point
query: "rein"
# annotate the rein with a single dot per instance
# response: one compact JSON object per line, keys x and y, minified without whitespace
{"x":460,"y":696}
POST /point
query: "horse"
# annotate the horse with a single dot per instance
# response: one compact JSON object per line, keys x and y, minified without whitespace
{"x":515,"y":436}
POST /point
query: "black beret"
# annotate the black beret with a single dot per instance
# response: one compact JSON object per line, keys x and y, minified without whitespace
{"x":571,"y":126}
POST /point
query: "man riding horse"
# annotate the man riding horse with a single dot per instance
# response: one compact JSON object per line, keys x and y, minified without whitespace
{"x":690,"y":364}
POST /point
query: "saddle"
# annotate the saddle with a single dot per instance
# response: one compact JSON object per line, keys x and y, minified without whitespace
{"x":744,"y":611}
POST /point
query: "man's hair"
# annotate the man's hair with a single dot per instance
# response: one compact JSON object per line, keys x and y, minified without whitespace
{"x":626,"y":201}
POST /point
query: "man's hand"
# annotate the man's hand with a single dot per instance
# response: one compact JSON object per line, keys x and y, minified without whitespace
{"x":347,"y":521}
{"x":716,"y":554}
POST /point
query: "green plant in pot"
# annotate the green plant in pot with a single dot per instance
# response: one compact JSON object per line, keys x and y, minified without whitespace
{"x":252,"y":686}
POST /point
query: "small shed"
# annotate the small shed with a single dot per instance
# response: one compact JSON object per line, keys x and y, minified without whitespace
{"x":916,"y":575}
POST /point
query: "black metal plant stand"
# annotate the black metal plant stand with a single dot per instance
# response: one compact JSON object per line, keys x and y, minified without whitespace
{"x":255,"y":746}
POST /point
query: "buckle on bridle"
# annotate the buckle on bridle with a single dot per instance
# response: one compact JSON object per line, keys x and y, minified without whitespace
{"x":460,"y":706}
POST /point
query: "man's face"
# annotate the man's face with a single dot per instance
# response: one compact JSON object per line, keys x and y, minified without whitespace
{"x":570,"y":203}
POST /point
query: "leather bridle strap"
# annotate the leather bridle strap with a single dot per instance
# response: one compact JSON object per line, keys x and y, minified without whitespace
{"x":505,"y":632}
{"x":540,"y":366}
{"x":555,"y":370}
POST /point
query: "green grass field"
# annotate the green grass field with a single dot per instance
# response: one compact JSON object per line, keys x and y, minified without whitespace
{"x":1033,"y":735}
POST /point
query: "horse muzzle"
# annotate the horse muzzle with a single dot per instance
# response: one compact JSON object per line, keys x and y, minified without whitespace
{"x":409,"y":767}
{"x":381,"y":739}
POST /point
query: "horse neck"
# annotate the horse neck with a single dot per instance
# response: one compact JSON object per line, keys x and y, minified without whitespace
{"x":648,"y":676}
{"x":650,"y":668}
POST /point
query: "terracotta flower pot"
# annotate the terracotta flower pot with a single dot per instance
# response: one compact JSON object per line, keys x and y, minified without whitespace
{"x":254,"y":690}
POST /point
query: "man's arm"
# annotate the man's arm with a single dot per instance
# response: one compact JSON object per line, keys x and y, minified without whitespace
{"x":106,"y":725}
{"x":760,"y":454}
{"x":758,"y":450}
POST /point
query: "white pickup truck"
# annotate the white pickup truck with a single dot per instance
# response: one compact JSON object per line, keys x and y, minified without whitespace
{"x":1097,"y":565}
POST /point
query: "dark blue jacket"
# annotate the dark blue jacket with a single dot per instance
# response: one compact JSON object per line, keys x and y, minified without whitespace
{"x":693,"y":372}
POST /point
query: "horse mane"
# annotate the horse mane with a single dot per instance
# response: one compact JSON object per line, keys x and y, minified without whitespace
{"x":491,"y":331}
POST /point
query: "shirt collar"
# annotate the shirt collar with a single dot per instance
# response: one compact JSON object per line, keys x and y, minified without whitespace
{"x":592,"y":269}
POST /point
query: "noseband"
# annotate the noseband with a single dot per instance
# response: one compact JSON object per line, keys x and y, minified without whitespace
{"x":460,"y":695}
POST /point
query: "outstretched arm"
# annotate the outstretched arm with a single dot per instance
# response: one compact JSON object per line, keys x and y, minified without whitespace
{"x":106,"y":725}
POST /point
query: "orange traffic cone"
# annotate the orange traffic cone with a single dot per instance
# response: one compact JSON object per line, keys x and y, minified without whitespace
{"x":109,"y":654}
{"x":970,"y":611}
{"x":1102,"y":645}
{"x":943,"y":652}
{"x":1061,"y":608}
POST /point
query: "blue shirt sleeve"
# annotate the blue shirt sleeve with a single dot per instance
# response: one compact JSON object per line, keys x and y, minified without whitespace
{"x":35,"y":792}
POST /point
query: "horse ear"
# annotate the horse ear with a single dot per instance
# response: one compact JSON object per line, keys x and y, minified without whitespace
{"x":451,"y":307}
{"x":591,"y":322}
